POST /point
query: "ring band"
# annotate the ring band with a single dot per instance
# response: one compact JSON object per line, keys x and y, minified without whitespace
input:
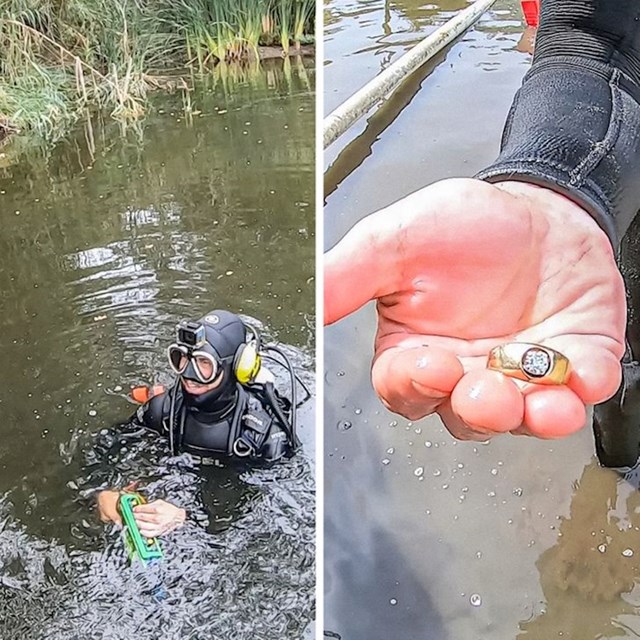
{"x":530,"y":362}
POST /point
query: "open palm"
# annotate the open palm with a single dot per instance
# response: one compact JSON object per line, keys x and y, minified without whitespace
{"x":463,"y":266}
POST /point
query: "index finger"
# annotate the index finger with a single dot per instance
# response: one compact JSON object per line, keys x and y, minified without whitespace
{"x":149,"y":507}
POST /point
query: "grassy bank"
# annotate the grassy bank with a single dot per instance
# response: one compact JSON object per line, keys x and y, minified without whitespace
{"x":61,"y":57}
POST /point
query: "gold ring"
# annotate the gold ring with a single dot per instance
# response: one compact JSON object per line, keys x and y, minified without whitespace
{"x":530,"y":362}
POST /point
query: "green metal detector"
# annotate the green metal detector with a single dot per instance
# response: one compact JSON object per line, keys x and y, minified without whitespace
{"x":146,"y":550}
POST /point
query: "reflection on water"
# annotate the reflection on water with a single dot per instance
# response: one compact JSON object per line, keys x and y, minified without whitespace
{"x":107,"y":241}
{"x":426,"y":537}
{"x":589,"y":575}
{"x":363,"y":37}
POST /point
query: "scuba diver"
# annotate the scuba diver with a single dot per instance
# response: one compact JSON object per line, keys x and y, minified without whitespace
{"x":224,"y":405}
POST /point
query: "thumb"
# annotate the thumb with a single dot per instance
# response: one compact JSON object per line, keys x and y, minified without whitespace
{"x":377,"y":255}
{"x":363,"y":265}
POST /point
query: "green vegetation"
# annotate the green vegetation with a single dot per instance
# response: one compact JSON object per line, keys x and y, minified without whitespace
{"x":62,"y":57}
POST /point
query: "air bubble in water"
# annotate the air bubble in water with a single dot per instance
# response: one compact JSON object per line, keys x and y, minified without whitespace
{"x":475,"y":599}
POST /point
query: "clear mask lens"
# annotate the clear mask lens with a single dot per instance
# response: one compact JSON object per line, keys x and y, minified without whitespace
{"x":198,"y":365}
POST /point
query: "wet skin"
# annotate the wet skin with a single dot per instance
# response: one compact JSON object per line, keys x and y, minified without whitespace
{"x":462,"y":266}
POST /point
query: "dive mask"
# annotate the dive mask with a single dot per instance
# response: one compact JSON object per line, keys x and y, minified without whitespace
{"x":191,"y":356}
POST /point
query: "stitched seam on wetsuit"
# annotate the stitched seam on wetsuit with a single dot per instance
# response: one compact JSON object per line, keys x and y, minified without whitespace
{"x":571,"y":63}
{"x":604,"y":146}
{"x":504,"y":168}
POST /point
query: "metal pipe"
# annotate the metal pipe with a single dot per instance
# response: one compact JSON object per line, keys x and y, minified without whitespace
{"x":339,"y":120}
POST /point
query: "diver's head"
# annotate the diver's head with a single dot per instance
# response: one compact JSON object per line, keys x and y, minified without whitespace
{"x":204,"y":354}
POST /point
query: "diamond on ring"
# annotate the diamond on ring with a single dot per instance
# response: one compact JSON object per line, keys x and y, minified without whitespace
{"x":536,"y":362}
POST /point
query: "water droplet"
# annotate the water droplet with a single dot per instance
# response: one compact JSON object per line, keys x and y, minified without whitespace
{"x":93,"y":413}
{"x":627,"y":553}
{"x":386,"y":461}
{"x":418,"y":430}
{"x":602,"y":548}
{"x":390,"y":450}
{"x":393,"y":423}
{"x":340,"y":374}
{"x":436,"y":472}
{"x":517,"y":492}
{"x":393,"y":601}
{"x":418,"y":472}
{"x":358,"y":412}
{"x":428,"y":444}
{"x":494,"y":472}
{"x":344,"y":425}
{"x":475,"y":599}
{"x":478,"y":554}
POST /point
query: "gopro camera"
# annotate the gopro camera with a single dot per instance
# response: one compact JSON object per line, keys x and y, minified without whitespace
{"x":190,"y":334}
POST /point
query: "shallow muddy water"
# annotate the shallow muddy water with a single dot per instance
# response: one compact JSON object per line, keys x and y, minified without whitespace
{"x":426,"y":537}
{"x":107,"y":240}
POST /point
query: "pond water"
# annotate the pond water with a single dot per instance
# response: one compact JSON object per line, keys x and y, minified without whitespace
{"x":426,"y":537}
{"x":108,"y":240}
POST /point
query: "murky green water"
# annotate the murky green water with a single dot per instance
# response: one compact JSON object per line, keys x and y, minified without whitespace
{"x":107,"y":240}
{"x":426,"y":537}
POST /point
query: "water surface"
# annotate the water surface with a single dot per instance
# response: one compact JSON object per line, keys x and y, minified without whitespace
{"x":108,"y":239}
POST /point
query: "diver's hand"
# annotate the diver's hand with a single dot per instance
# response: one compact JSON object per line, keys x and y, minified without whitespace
{"x":108,"y":506}
{"x":158,"y":517}
{"x":462,"y":266}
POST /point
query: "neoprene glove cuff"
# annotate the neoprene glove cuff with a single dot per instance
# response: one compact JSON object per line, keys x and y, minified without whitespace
{"x":574,"y":127}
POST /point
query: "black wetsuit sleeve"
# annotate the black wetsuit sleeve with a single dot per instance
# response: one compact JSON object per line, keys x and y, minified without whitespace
{"x":574,"y":125}
{"x":150,"y":414}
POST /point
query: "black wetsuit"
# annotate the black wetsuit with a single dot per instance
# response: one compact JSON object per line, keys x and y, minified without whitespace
{"x":574,"y":127}
{"x":242,"y":423}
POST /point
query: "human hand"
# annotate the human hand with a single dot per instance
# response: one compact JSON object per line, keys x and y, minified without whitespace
{"x":158,"y":517}
{"x":108,"y":506}
{"x":108,"y":503}
{"x":462,"y":266}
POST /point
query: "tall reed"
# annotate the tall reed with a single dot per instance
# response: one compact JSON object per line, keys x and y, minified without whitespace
{"x":61,"y":56}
